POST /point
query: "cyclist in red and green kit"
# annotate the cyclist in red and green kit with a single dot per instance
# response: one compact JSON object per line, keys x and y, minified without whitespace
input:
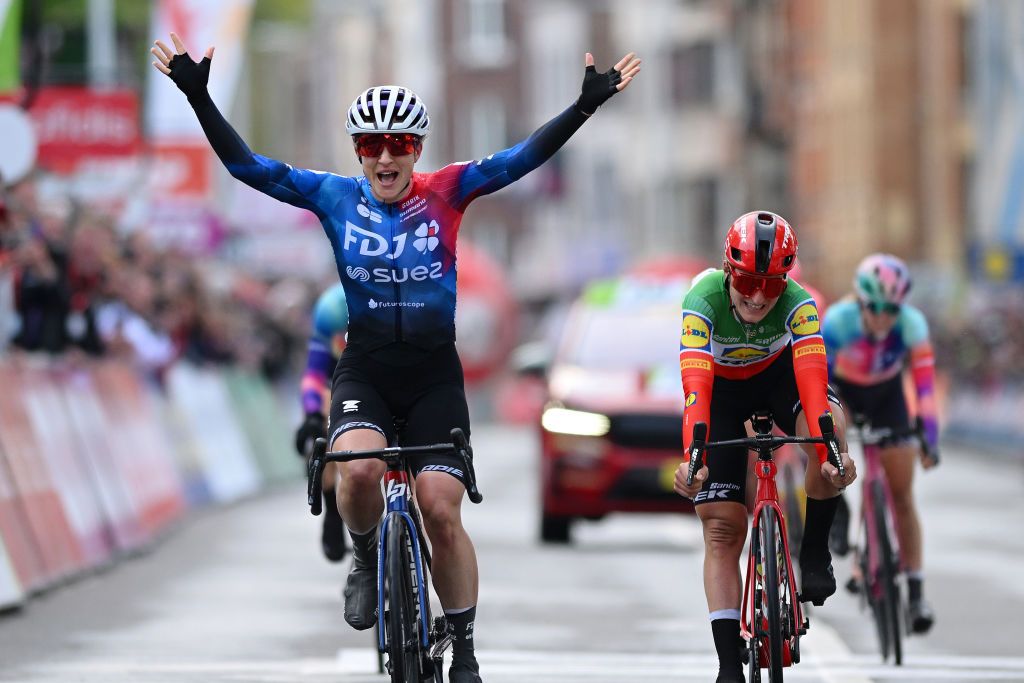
{"x":751,"y":340}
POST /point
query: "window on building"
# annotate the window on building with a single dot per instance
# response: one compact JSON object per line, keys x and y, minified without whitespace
{"x":686,"y":217}
{"x":484,"y":30}
{"x":693,"y":68}
{"x":486,"y":127}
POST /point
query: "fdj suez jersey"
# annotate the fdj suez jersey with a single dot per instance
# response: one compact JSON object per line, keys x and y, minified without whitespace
{"x":715,"y":343}
{"x":396,"y":261}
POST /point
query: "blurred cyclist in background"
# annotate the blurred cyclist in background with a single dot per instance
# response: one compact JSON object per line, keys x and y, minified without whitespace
{"x":394,"y":233}
{"x":327,"y":341}
{"x":871,"y":337}
{"x":751,"y":341}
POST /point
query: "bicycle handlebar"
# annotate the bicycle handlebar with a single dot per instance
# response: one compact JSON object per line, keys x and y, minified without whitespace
{"x":763,"y":442}
{"x":391,"y":455}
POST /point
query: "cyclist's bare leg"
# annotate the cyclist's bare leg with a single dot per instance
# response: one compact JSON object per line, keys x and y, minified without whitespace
{"x":898,"y":462}
{"x":725,"y":530}
{"x":439,"y":496}
{"x":358,"y":483}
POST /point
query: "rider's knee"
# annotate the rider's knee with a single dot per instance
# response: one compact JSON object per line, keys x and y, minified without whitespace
{"x":724,"y":536}
{"x":361,"y":476}
{"x":441,"y":518}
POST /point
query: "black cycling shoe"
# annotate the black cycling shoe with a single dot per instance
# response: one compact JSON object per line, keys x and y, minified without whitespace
{"x":361,"y":588}
{"x":818,"y":581}
{"x":920,"y":616}
{"x":334,"y":537}
{"x":461,"y":673}
{"x":838,"y":535}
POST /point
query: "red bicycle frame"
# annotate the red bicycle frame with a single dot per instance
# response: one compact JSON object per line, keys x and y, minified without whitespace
{"x":768,"y":496}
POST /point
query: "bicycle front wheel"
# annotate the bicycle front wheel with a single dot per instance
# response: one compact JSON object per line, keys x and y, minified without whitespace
{"x":402,"y":609}
{"x":770,"y":549}
{"x":888,"y":571}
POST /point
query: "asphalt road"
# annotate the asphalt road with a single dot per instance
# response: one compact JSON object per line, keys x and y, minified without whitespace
{"x":242,"y":594}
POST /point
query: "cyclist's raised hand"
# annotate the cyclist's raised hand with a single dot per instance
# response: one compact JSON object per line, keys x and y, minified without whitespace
{"x":190,"y":77}
{"x":699,"y":478}
{"x":599,"y":87}
{"x":830,"y":474}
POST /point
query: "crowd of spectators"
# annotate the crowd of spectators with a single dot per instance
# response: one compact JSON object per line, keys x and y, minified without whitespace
{"x":72,"y":284}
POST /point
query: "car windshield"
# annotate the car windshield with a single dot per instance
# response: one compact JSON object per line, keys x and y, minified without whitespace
{"x":620,"y":338}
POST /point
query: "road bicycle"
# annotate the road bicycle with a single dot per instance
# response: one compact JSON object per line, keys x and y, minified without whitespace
{"x":771,"y":617}
{"x":877,"y":555}
{"x":413,"y":641}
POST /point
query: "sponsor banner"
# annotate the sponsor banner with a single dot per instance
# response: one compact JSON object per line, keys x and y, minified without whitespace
{"x":486,"y":315}
{"x":68,"y":467}
{"x":47,"y":523}
{"x":147,"y":461}
{"x":263,"y":425}
{"x":73,"y":124}
{"x":200,"y":24}
{"x":11,"y":594}
{"x":202,"y":399}
{"x":21,"y":550}
{"x":10,"y":44}
{"x":181,"y":169}
{"x":97,"y":438}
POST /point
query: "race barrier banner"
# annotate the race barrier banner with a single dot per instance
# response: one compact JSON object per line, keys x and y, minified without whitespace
{"x":263,"y":424}
{"x":47,"y":522}
{"x":11,"y":594}
{"x":15,"y":532}
{"x":96,"y":462}
{"x":201,"y":397}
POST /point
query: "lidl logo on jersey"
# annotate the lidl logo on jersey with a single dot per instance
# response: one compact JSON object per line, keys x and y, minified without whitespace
{"x":805,"y":320}
{"x":691,"y":398}
{"x":696,"y":334}
{"x":744,"y":353}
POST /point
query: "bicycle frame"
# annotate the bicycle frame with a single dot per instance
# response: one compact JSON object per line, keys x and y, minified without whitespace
{"x":767,"y":496}
{"x":398,"y":499}
{"x":874,"y":472}
{"x":400,"y":505}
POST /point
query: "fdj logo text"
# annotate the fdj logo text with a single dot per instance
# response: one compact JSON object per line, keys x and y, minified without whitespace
{"x":371,"y":243}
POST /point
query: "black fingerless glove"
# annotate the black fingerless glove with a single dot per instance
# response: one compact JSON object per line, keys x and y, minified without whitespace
{"x":190,"y":77}
{"x":313,"y":427}
{"x":597,"y":88}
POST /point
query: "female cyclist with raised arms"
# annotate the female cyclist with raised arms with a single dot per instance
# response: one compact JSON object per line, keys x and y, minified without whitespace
{"x":751,"y":341}
{"x":871,"y":338}
{"x":393,"y":232}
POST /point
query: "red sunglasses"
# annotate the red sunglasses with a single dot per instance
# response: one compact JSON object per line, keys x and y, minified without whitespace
{"x":746,"y":283}
{"x":397,"y":144}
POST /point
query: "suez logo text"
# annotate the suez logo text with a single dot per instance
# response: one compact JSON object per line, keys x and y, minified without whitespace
{"x":371,"y":244}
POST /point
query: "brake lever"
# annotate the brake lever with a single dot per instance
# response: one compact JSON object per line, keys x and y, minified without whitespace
{"x":700,"y":436}
{"x":828,"y":435}
{"x":465,"y":452}
{"x":315,"y":473}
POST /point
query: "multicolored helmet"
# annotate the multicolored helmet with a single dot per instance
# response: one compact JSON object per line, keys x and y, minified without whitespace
{"x":761,"y":242}
{"x":387,"y":109}
{"x":882,"y":279}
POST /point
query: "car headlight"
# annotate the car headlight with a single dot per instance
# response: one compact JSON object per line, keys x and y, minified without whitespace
{"x":578,"y":422}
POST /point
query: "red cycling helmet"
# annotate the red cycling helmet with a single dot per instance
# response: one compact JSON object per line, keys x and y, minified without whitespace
{"x":762,"y":243}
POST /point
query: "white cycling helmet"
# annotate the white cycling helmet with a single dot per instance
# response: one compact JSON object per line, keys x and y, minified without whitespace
{"x":387,"y":109}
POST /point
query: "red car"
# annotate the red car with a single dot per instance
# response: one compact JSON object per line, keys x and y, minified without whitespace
{"x":611,"y":432}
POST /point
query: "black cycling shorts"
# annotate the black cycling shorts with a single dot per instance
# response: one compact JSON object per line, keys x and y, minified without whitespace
{"x":882,"y":405}
{"x":428,"y":396}
{"x":732,"y":403}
